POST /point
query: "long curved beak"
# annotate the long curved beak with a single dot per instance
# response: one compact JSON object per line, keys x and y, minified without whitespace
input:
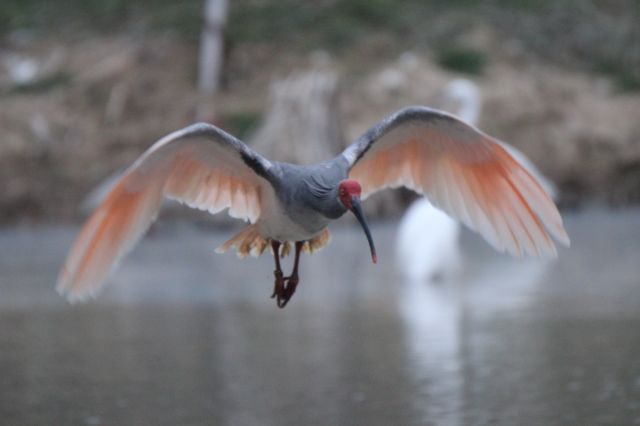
{"x":356,"y":208}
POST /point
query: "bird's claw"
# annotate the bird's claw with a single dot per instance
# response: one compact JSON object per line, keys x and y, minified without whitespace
{"x":289,"y":288}
{"x":278,"y":287}
{"x":284,"y":288}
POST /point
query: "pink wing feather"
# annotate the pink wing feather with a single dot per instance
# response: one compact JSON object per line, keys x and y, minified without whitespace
{"x":463,"y":171}
{"x":200,"y":165}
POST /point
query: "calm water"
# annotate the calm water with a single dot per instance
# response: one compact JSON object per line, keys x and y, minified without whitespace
{"x":183,"y":336}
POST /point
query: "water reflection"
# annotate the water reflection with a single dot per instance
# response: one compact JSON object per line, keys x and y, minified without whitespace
{"x":437,"y":314}
{"x":185,"y":337}
{"x":431,"y":314}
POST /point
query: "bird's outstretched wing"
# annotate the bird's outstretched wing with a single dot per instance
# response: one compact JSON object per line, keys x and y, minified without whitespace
{"x":464,"y":172}
{"x":200,"y":165}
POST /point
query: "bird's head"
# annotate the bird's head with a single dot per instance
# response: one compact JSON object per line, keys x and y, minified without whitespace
{"x":349,"y":195}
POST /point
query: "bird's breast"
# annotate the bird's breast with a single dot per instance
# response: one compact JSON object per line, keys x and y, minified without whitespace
{"x":290,"y":222}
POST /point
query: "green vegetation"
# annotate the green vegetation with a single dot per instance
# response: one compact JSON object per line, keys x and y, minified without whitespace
{"x":42,"y":85}
{"x":626,"y":78}
{"x":580,"y":33}
{"x":462,"y":59}
{"x":241,"y":123}
{"x":70,"y":16}
{"x":333,"y":25}
{"x":628,"y":81}
{"x":62,"y":15}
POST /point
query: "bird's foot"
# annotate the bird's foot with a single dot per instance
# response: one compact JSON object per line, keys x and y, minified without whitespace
{"x":278,"y":286}
{"x":289,"y":289}
{"x":284,"y":288}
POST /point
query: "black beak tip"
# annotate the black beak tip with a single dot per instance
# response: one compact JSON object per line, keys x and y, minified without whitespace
{"x":357,"y":211}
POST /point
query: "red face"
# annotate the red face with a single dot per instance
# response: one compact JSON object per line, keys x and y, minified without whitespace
{"x":349,"y":192}
{"x":348,"y":188}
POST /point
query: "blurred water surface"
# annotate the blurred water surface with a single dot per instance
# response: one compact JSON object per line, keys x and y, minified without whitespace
{"x":183,"y":336}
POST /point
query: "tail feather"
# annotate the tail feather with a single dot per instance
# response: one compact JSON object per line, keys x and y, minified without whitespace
{"x":249,"y":241}
{"x":317,"y":242}
{"x":112,"y":230}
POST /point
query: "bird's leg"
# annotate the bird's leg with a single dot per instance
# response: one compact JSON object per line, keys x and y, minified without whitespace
{"x":291,"y":282}
{"x":278,"y":287}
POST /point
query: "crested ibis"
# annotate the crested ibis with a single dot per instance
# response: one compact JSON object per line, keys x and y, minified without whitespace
{"x":462,"y":170}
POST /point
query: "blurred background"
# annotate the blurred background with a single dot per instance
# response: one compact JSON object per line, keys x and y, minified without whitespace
{"x":181,"y":336}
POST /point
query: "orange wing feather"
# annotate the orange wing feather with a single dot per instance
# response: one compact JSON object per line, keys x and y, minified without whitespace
{"x":463,"y":171}
{"x":199,"y":165}
{"x":108,"y":234}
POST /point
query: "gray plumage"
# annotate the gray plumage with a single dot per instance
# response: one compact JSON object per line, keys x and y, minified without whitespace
{"x":312,"y":190}
{"x":462,"y":170}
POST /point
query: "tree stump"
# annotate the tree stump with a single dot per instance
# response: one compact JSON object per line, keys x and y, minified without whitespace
{"x":302,"y":124}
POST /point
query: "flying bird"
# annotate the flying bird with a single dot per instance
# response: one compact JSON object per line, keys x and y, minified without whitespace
{"x":462,"y":170}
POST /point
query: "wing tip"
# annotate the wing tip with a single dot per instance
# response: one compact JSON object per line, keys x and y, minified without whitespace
{"x":546,"y":252}
{"x":64,"y":287}
{"x":75,"y":296}
{"x":562,"y":236}
{"x":74,"y":291}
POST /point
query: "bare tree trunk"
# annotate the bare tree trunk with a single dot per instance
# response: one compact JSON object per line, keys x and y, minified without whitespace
{"x":302,"y":123}
{"x":211,"y":46}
